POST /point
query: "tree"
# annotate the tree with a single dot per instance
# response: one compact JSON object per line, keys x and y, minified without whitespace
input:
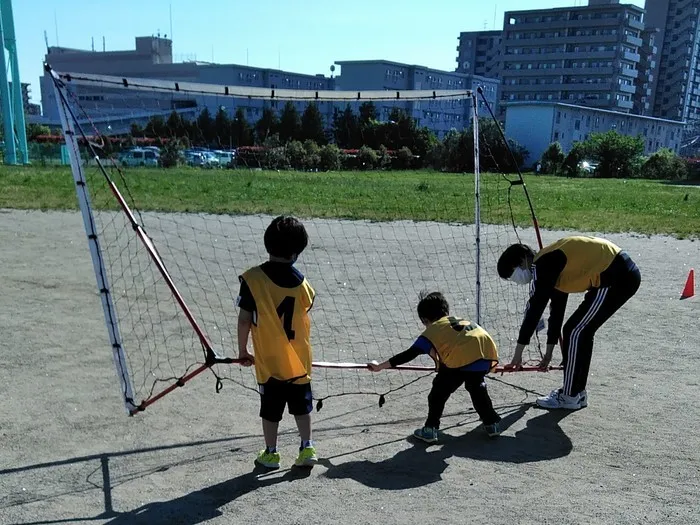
{"x":135,"y":130}
{"x":578,"y":152}
{"x":223,"y":130}
{"x":368,"y":113}
{"x":205,"y":127}
{"x":666,"y":165}
{"x":171,"y":153}
{"x":176,"y":125}
{"x":553,"y":159}
{"x":35,"y":130}
{"x":242,"y":132}
{"x":618,"y":155}
{"x":494,"y":154}
{"x":267,"y":126}
{"x":290,"y":123}
{"x":312,"y":127}
{"x":330,"y":158}
{"x":346,"y":128}
{"x":155,"y":128}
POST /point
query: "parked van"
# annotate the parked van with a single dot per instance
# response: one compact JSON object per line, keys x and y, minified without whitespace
{"x":139,"y":157}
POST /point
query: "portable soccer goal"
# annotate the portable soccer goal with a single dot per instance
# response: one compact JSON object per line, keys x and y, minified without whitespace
{"x":168,"y":243}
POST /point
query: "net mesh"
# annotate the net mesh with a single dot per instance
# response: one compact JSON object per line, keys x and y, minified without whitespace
{"x":381,"y":230}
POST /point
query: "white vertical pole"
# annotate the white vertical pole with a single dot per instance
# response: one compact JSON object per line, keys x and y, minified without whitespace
{"x":477,"y":204}
{"x":95,"y":251}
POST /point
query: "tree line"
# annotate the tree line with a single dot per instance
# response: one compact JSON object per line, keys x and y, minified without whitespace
{"x":614,"y":155}
{"x":277,"y":141}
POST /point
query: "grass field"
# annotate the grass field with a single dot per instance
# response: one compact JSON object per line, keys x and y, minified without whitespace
{"x":650,"y":207}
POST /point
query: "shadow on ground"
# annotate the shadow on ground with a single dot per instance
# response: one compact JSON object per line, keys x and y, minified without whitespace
{"x":203,"y":505}
{"x":542,"y":439}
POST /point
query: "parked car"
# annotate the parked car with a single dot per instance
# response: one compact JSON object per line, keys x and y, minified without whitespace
{"x":139,"y":157}
{"x":227,"y":159}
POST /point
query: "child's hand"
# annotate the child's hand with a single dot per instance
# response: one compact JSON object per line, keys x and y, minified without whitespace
{"x":375,"y":367}
{"x":246,"y":358}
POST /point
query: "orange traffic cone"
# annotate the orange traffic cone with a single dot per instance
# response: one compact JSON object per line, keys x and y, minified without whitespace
{"x":689,"y":289}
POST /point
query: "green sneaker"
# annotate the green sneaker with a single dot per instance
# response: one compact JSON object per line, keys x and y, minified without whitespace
{"x":427,"y":434}
{"x":268,"y":459}
{"x":307,"y":457}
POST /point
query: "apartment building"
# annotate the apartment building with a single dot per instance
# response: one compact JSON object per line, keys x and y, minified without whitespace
{"x":677,"y":85}
{"x":440,"y":116}
{"x":536,"y":125}
{"x":648,"y":66}
{"x":479,"y":53}
{"x":586,"y":55}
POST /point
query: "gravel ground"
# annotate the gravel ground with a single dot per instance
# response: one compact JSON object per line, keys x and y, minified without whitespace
{"x":70,"y":454}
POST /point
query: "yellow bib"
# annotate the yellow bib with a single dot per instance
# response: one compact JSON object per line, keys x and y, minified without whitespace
{"x":282,"y":328}
{"x":586,"y":259}
{"x":460,"y":343}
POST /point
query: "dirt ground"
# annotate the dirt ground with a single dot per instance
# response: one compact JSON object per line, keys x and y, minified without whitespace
{"x":70,"y":454}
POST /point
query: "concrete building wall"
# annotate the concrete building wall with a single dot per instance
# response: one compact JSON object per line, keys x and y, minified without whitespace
{"x":536,"y":124}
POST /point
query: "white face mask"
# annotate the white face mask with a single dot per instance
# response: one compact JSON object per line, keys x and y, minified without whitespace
{"x":521,"y":276}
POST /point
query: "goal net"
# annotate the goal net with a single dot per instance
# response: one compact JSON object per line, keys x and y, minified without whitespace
{"x":177,"y":182}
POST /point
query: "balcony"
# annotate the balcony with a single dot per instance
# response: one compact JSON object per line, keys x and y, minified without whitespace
{"x":629,"y":72}
{"x":633,"y":40}
{"x":632,"y":57}
{"x":636,"y":25}
{"x":624,"y":104}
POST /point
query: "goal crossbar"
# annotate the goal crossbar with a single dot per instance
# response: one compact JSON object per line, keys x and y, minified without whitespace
{"x":258,"y":93}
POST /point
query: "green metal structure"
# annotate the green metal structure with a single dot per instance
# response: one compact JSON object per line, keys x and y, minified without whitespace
{"x":11,"y":103}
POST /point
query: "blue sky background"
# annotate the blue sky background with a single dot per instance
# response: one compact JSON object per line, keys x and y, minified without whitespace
{"x":299,"y":35}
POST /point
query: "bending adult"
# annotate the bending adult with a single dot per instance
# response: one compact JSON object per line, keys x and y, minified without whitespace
{"x":576,"y":264}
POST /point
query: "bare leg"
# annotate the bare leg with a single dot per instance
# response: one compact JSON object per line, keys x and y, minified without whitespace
{"x":270,"y":433}
{"x":304,"y":426}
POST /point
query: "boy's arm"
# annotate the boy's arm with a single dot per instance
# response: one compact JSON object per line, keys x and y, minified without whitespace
{"x":420,"y":347}
{"x":245,"y":322}
{"x":247,"y":306}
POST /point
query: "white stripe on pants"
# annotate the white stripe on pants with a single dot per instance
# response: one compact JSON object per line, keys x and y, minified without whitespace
{"x":573,"y":340}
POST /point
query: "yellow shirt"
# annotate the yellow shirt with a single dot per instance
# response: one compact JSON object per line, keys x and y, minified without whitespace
{"x":586,"y":259}
{"x":460,"y":343}
{"x":281,"y":329}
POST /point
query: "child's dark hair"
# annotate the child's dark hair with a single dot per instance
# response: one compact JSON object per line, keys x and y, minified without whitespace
{"x":432,"y":306}
{"x":285,"y":237}
{"x":513,"y":257}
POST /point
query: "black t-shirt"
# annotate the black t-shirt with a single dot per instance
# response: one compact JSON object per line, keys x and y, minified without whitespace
{"x":284,"y":275}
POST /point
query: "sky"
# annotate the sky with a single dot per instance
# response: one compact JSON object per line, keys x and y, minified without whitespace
{"x":304,"y":36}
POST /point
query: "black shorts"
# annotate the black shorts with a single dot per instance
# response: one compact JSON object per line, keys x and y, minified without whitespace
{"x":276,"y":394}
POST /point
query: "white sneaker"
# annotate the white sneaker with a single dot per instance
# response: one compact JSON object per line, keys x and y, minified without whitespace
{"x":557,"y":399}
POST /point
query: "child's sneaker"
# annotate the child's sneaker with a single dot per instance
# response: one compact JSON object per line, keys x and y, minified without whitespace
{"x":493,"y":430}
{"x":558,"y":399}
{"x":268,"y":459}
{"x":307,"y":457}
{"x":427,"y":434}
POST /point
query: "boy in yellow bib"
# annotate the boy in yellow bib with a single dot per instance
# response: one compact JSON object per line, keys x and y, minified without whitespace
{"x":274,"y":301}
{"x":576,"y":264}
{"x":464,"y":352}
